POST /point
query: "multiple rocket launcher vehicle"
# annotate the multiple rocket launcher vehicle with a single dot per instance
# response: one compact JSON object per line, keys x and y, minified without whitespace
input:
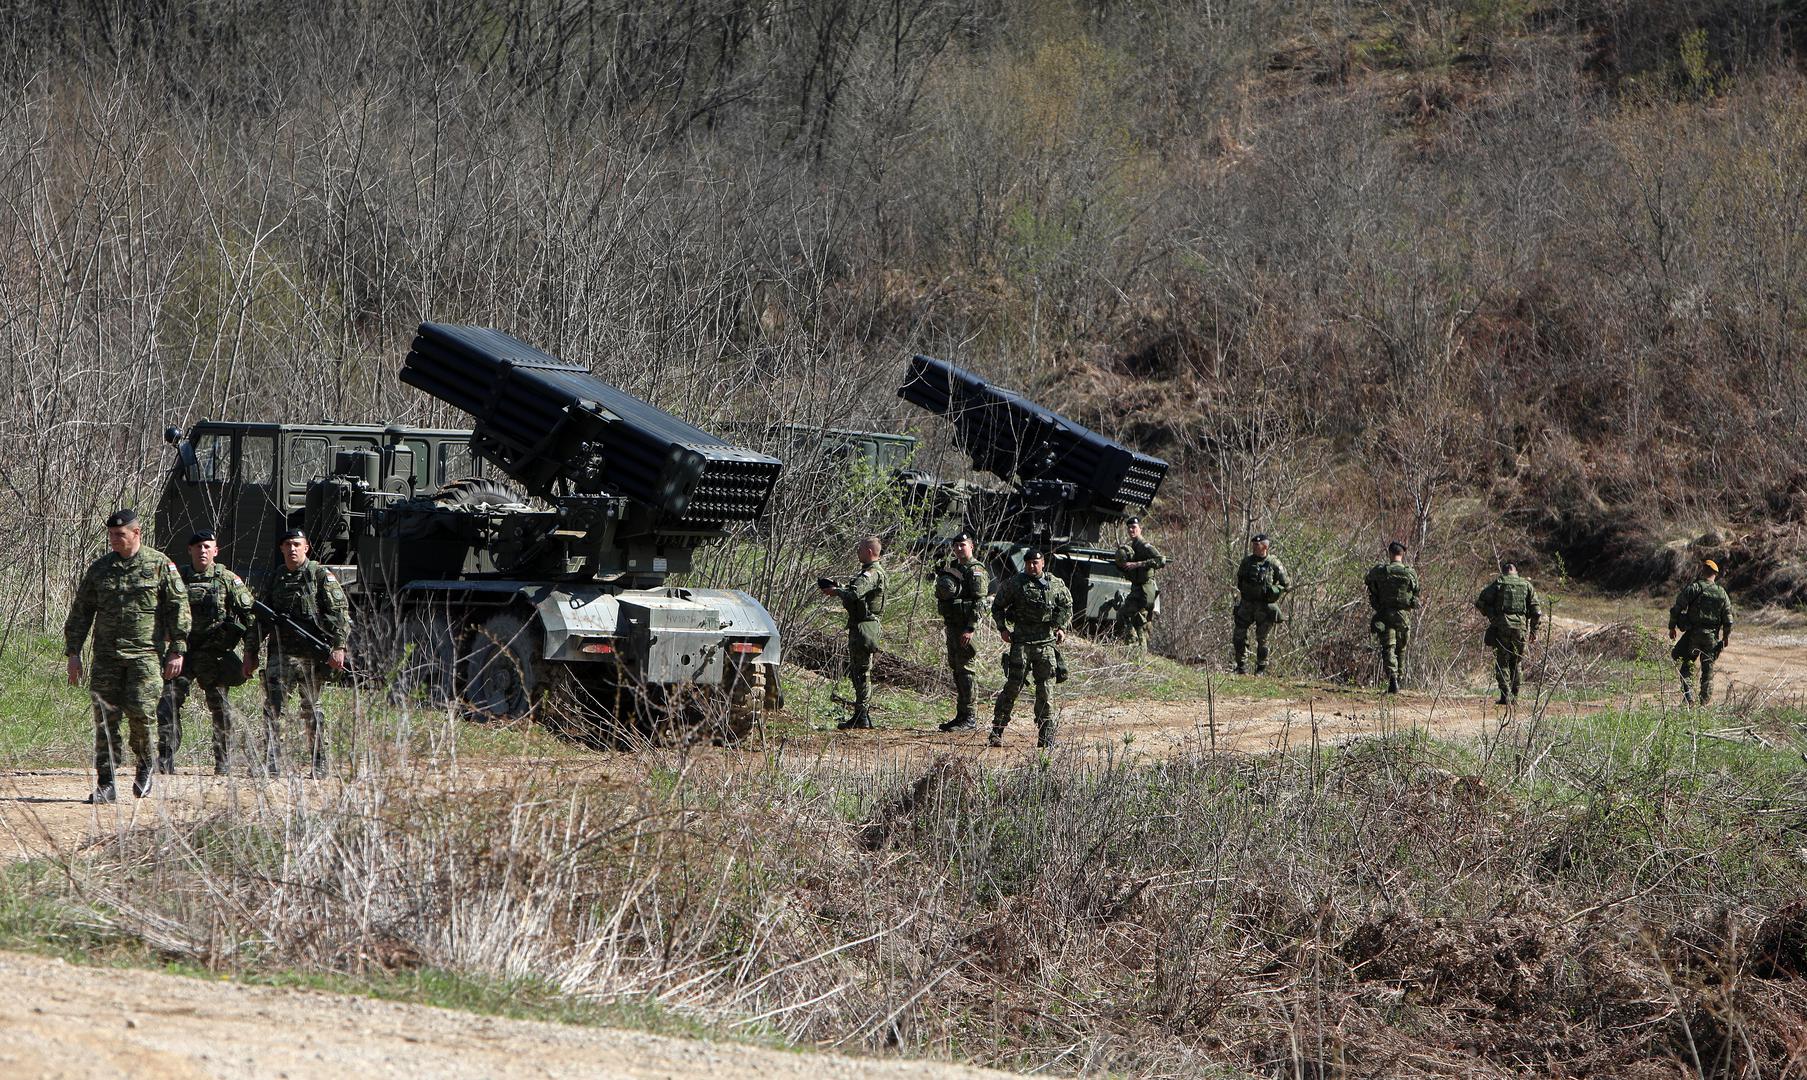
{"x":504,"y":596}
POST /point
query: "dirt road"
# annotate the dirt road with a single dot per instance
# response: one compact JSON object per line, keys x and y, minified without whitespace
{"x":59,"y":1020}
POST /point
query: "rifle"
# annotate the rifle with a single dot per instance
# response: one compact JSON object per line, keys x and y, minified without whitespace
{"x":307,"y":635}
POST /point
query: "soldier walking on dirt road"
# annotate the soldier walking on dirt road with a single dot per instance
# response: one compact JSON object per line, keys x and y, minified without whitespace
{"x":133,"y":601}
{"x":864,"y":598}
{"x":219,"y":607}
{"x":1513,"y":613}
{"x":1032,"y":613}
{"x":1392,"y":592}
{"x":1260,"y":583}
{"x":306,"y":602}
{"x":960,"y":588}
{"x":1702,"y":616}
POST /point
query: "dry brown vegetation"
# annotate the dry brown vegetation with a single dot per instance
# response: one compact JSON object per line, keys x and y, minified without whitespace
{"x":1618,"y":901}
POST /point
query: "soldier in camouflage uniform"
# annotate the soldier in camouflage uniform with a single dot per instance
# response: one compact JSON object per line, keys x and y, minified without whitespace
{"x":1392,"y":591}
{"x":1032,"y":612}
{"x":1260,"y":582}
{"x":219,"y":606}
{"x":864,"y":598}
{"x":960,"y":590}
{"x":1702,"y":616}
{"x":1137,"y":560}
{"x":1513,"y":614}
{"x":133,"y":601}
{"x":308,"y":594}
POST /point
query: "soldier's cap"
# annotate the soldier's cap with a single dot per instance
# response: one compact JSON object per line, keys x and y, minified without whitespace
{"x":960,"y":536}
{"x":120,"y":519}
{"x":1710,"y":565}
{"x":1395,"y":548}
{"x":291,"y":534}
{"x":1132,"y":521}
{"x":1034,"y":553}
{"x":1258,"y":538}
{"x":201,"y":536}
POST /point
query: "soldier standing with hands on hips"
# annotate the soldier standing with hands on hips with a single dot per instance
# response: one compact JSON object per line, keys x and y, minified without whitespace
{"x":308,"y":625}
{"x":133,"y":602}
{"x":1032,"y":613}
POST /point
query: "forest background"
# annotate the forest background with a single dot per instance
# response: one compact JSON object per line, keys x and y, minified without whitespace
{"x":1489,"y":276}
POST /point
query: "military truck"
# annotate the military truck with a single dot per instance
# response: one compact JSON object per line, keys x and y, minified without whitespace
{"x":1062,"y":483}
{"x":521,"y":565}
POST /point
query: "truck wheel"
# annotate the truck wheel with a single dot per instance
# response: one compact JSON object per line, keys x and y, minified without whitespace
{"x":746,"y":705}
{"x":477,"y":491}
{"x":504,"y":674}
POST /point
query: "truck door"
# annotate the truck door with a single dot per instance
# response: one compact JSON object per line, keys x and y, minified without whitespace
{"x":248,"y":538}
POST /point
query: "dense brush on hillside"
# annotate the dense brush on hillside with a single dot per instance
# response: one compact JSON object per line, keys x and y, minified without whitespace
{"x":1539,"y":268}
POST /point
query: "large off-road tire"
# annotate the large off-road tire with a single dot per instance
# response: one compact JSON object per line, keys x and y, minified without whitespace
{"x":426,"y":661}
{"x":745,"y":706}
{"x":502,"y":672}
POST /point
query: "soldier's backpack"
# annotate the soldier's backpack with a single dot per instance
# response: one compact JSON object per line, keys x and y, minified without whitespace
{"x":1708,"y":608}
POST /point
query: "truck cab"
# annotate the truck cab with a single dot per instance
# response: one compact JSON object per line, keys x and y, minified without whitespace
{"x":251,"y":482}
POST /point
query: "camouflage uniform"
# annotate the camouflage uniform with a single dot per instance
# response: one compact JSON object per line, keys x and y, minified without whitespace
{"x":1513,"y":613}
{"x":1030,"y":609}
{"x":135,"y":607}
{"x":1138,"y":607}
{"x":960,"y":588}
{"x":219,"y":605}
{"x":1703,"y":614}
{"x":864,"y":599}
{"x":1261,"y":581}
{"x":1392,"y":591}
{"x":313,"y":597}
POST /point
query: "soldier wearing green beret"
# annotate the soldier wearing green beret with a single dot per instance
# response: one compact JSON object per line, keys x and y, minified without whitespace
{"x":133,"y":602}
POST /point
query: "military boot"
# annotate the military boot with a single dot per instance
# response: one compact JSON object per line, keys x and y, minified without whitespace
{"x":141,"y":780}
{"x":861,"y":720}
{"x":1044,"y":734}
{"x":963,"y":722}
{"x":997,"y":736}
{"x":1239,"y":669}
{"x":166,"y":762}
{"x":1261,"y":661}
{"x":222,"y":764}
{"x":103,"y":793}
{"x":319,"y":764}
{"x":1392,"y":684}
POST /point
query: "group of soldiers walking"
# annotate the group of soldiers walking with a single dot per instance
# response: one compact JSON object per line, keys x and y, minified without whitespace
{"x":1033,"y":610}
{"x":159,"y":631}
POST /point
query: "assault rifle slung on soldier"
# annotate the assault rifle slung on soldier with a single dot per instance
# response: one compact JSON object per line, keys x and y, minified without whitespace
{"x":496,"y":595}
{"x":1066,"y":481}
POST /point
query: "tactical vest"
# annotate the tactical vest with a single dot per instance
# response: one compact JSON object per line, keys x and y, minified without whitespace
{"x":873,"y":604}
{"x":1511,"y":596}
{"x":209,"y":611}
{"x":957,"y":592}
{"x":1391,"y":589}
{"x":1034,"y":603}
{"x":297,"y":593}
{"x":1257,"y":581}
{"x":1708,"y":607}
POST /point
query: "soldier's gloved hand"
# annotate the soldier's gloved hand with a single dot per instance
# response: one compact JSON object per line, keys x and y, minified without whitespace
{"x":172,"y":667}
{"x":75,"y":671}
{"x":966,"y":638}
{"x":250,"y":664}
{"x":337,"y":660}
{"x":1059,"y":636}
